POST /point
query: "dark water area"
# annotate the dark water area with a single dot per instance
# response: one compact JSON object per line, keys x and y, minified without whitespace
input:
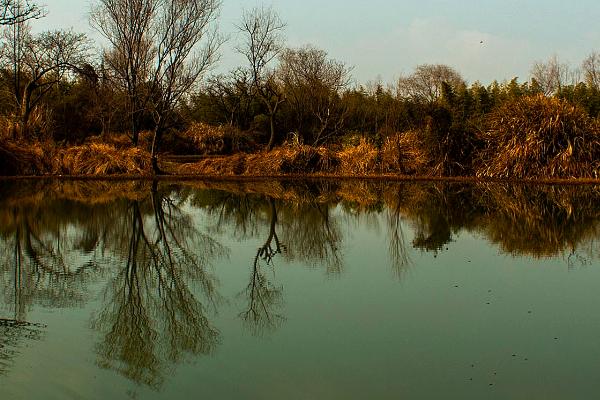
{"x":298,"y":290}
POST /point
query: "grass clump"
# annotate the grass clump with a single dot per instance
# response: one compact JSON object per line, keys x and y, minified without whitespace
{"x":226,"y":166}
{"x":24,"y":158}
{"x":404,"y":153}
{"x":223,"y":139}
{"x":539,"y":137}
{"x":362,"y":159}
{"x":102,"y":159}
{"x":285,"y":160}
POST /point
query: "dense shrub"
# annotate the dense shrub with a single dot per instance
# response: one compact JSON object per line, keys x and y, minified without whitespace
{"x":539,"y":137}
{"x":24,"y":158}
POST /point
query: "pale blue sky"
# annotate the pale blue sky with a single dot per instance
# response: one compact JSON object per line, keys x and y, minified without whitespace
{"x":389,"y":37}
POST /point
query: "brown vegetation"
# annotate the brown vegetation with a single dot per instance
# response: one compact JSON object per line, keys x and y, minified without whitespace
{"x":362,"y":159}
{"x":540,"y":137}
{"x":293,"y":159}
{"x":101,"y":159}
{"x":405,"y":153}
{"x":24,"y":158}
{"x":223,"y":139}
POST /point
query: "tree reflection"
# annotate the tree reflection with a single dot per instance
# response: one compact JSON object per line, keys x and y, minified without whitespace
{"x":13,"y":334}
{"x":153,"y":316}
{"x":161,"y":292}
{"x":263,"y":297}
{"x":397,"y":247}
{"x":313,"y":236}
{"x":38,"y":265}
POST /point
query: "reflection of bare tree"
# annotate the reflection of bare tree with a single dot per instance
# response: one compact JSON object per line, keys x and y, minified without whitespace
{"x":153,"y":316}
{"x":39,"y":266}
{"x":313,"y":235}
{"x":12,"y":335}
{"x":263,"y":297}
{"x":397,"y":249}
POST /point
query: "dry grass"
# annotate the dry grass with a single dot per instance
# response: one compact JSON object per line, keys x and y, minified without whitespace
{"x":223,"y":139}
{"x":101,"y":159}
{"x":362,"y":159}
{"x":25,"y":158}
{"x":286,"y":160}
{"x":122,"y":140}
{"x":540,"y":137}
{"x":218,"y":166}
{"x":405,"y":153}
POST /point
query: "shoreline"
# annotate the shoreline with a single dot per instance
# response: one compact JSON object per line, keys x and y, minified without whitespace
{"x":306,"y":177}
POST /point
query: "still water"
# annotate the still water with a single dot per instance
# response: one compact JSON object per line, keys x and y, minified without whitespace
{"x":298,"y":290}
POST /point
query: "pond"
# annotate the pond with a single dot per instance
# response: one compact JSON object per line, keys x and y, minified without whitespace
{"x":298,"y":290}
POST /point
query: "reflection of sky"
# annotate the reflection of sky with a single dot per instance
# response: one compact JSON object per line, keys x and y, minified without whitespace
{"x":363,"y":333}
{"x":387,"y":37}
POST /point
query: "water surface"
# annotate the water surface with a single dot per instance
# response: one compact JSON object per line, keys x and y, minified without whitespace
{"x":298,"y":290}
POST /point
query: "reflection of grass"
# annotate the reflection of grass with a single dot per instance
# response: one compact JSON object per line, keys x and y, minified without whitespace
{"x":528,"y":219}
{"x":540,"y":221}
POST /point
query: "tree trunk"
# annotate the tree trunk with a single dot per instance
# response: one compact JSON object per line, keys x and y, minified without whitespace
{"x":154,"y":151}
{"x":272,"y":136}
{"x":26,"y":109}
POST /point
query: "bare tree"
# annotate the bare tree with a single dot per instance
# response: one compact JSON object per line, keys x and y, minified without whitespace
{"x":553,"y":75}
{"x":231,"y":97}
{"x":38,"y":63}
{"x":127,"y":25}
{"x":18,"y":11}
{"x":262,"y":30}
{"x":186,"y":48}
{"x":591,"y":70}
{"x":312,"y":84}
{"x":425,"y":84}
{"x":159,"y":51}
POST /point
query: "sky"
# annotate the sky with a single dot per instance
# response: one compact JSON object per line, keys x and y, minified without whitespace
{"x":385,"y":39}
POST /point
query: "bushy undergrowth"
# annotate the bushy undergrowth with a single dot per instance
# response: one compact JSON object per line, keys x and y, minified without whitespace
{"x":532,"y":137}
{"x":224,"y":139}
{"x":539,"y":137}
{"x":295,"y":159}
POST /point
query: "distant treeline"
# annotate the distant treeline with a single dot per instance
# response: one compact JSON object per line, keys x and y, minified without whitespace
{"x":150,"y":86}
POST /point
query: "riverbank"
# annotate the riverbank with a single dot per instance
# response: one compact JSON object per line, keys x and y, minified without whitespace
{"x":533,"y":139}
{"x":298,"y":177}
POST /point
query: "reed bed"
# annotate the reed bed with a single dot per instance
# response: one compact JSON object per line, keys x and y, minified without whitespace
{"x":297,"y":159}
{"x":539,"y":137}
{"x":405,"y":153}
{"x":101,"y":159}
{"x":362,"y":159}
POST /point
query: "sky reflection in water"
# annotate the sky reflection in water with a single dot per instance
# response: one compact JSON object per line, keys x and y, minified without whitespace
{"x":298,"y":290}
